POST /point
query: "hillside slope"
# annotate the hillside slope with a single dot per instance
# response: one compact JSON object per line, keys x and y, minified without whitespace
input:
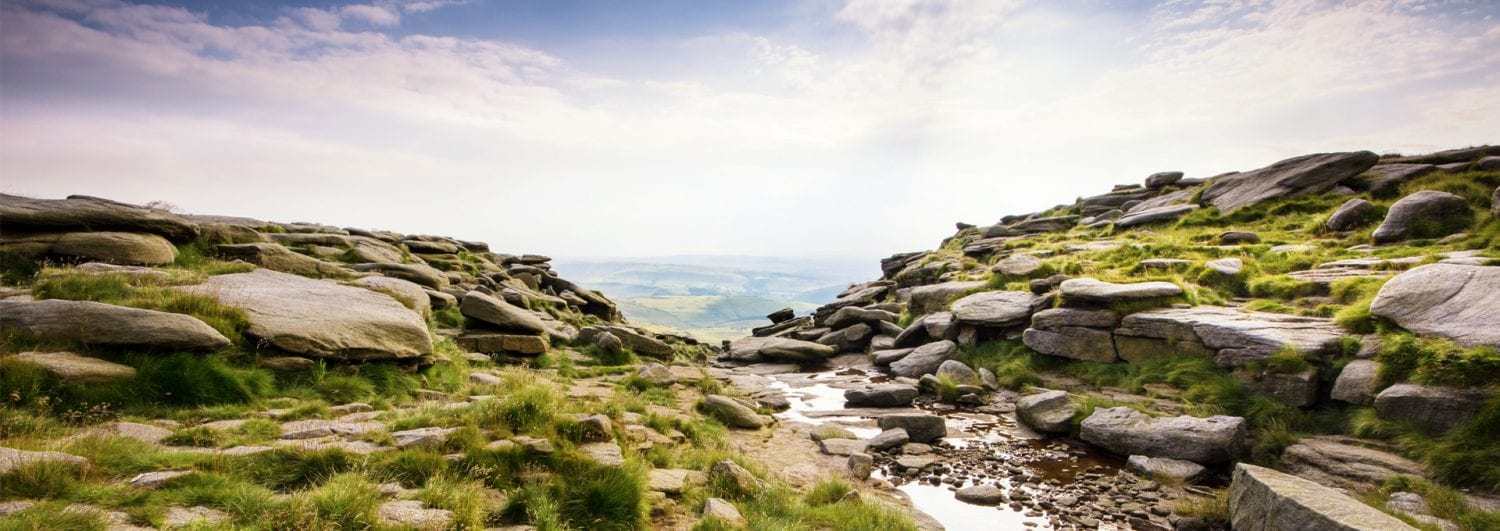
{"x":1331,"y":316}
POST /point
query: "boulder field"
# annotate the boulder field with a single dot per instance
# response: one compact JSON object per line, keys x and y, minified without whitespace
{"x":1191,"y":327}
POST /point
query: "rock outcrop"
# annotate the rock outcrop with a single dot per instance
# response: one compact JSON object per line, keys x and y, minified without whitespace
{"x":1126,"y":431}
{"x":320,"y":318}
{"x":1261,"y":499}
{"x":1307,"y":174}
{"x":94,"y":323}
{"x":1448,"y":300}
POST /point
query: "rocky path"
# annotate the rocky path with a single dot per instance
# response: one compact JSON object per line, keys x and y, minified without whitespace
{"x":987,"y":471}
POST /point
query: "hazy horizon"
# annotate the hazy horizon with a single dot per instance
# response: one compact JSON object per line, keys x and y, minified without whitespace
{"x":852,"y":128}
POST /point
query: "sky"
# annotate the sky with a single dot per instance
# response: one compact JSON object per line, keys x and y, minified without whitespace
{"x":824,"y":128}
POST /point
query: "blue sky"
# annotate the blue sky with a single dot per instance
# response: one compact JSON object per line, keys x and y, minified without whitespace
{"x":852,"y":128}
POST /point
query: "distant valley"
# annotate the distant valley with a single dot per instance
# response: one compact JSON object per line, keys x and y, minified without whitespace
{"x":714,"y":297}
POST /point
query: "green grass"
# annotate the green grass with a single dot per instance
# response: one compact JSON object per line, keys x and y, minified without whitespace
{"x":1436,"y":361}
{"x":179,"y":379}
{"x":1284,"y":287}
{"x":1014,"y":365}
{"x":52,"y":515}
{"x":1443,"y":502}
{"x":41,"y":479}
{"x":1465,"y":457}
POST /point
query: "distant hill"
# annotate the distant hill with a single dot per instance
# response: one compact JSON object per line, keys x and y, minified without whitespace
{"x":714,"y":297}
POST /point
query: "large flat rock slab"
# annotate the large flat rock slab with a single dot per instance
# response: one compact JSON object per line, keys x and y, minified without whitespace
{"x":1261,"y":499}
{"x":94,"y":323}
{"x":131,"y":248}
{"x":321,"y":318}
{"x":778,"y":349}
{"x":1307,"y":174}
{"x":1233,"y":336}
{"x":995,"y":308}
{"x":1341,"y":462}
{"x":1125,"y":431}
{"x":1459,"y":302}
{"x":72,"y":368}
{"x":79,"y":212}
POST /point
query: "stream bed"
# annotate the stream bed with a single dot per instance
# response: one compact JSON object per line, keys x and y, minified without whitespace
{"x":1048,"y":484}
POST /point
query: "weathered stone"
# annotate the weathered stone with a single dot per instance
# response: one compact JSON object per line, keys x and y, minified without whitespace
{"x":939,"y":325}
{"x":928,"y":299}
{"x":1097,"y":291}
{"x":637,"y":341}
{"x":1129,"y":432}
{"x":778,"y":349}
{"x":408,"y":293}
{"x":1385,"y":178}
{"x":959,"y":372}
{"x":151,"y":480}
{"x":886,"y":357}
{"x":1017,"y":265}
{"x":277,"y":258}
{"x":1059,"y":317}
{"x":1238,"y":238}
{"x":11,"y":459}
{"x":1299,"y":389}
{"x":197,"y":516}
{"x":782,"y":315}
{"x":1344,"y":463}
{"x":730,"y":473}
{"x":421,"y":274}
{"x":478,"y":305}
{"x":673,"y":480}
{"x":1153,"y":215}
{"x":1261,"y":499}
{"x":1228,"y":267}
{"x":320,"y":318}
{"x":1166,"y":469}
{"x":131,"y":248}
{"x":1434,"y":408}
{"x":1045,"y":224}
{"x":722,"y":511}
{"x":881,"y":395}
{"x":604,"y":453}
{"x":860,"y":466}
{"x":1047,"y":411}
{"x":439,"y":300}
{"x":841,"y":447}
{"x":286,"y":363}
{"x":413,"y":514}
{"x":995,"y":308}
{"x":1073,"y":342}
{"x":920,"y":427}
{"x":496,"y":343}
{"x":1358,"y":382}
{"x":1162,"y":179}
{"x":851,"y":315}
{"x":75,"y":369}
{"x":924,"y":360}
{"x":95,"y":323}
{"x":732,"y":413}
{"x":1307,"y":174}
{"x":1424,"y":214}
{"x":1233,"y":336}
{"x":78,"y":212}
{"x":888,"y":439}
{"x":985,"y":494}
{"x":1449,"y":300}
{"x":145,"y":433}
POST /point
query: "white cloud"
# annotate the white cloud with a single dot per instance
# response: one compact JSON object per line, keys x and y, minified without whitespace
{"x":372,"y":14}
{"x":769,"y":144}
